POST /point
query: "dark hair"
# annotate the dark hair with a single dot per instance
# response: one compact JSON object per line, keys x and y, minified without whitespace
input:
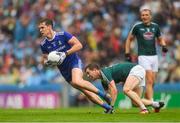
{"x":46,"y":21}
{"x":92,"y":66}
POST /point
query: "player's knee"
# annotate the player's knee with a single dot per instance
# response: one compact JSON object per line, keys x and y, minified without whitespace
{"x":126,"y":90}
{"x":149,"y":82}
{"x":75,"y":83}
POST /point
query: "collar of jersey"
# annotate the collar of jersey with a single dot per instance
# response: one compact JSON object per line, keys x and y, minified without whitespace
{"x":147,"y":25}
{"x":52,"y":38}
{"x":104,"y":76}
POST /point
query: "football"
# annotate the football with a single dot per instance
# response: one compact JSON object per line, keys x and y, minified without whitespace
{"x":53,"y":56}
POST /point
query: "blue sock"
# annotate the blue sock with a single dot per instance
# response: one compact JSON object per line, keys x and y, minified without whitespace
{"x":106,"y":106}
{"x":101,"y":94}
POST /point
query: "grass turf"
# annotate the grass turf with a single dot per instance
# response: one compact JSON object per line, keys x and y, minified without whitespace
{"x":91,"y":114}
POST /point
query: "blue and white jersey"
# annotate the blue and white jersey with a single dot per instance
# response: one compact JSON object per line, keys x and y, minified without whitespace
{"x":60,"y":43}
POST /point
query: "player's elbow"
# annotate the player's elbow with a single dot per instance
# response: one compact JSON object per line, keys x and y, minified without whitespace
{"x":80,"y":46}
{"x":126,"y":90}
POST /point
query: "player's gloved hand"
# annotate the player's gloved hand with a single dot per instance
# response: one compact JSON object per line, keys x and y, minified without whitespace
{"x":62,"y":57}
{"x":48,"y":63}
{"x":128,"y":57}
{"x":164,"y":49}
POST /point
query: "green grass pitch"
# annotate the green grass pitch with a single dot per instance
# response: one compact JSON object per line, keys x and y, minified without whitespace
{"x":91,"y":114}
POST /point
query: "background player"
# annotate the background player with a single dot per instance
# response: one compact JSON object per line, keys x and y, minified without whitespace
{"x":71,"y":67}
{"x":133,"y":77}
{"x":146,"y":33}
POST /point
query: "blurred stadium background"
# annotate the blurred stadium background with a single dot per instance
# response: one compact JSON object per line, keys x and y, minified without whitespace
{"x":101,"y":25}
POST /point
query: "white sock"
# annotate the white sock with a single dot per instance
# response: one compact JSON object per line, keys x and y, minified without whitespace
{"x":143,"y":107}
{"x":155,"y":104}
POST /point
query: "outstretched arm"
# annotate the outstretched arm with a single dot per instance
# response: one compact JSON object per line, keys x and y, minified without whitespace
{"x":112,"y":90}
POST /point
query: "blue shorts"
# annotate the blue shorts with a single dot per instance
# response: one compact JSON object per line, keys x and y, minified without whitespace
{"x":66,"y":69}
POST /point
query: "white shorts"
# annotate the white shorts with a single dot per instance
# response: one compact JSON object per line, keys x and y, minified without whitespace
{"x":149,"y":62}
{"x":140,"y":73}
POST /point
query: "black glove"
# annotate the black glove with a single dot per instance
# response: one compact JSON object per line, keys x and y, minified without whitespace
{"x":164,"y":49}
{"x":128,"y":57}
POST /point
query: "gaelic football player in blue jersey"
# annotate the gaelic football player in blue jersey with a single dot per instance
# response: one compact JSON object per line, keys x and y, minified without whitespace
{"x":71,"y":65}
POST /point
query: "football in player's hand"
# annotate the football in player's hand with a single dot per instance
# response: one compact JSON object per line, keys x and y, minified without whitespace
{"x":53,"y":56}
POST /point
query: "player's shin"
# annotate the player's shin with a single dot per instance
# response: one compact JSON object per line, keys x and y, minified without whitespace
{"x":106,"y":106}
{"x":104,"y":96}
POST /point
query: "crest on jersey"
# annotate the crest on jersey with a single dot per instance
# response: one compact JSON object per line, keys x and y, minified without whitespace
{"x":59,"y":42}
{"x":148,"y":35}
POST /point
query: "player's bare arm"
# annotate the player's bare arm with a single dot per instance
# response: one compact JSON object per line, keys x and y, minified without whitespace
{"x":128,"y":43}
{"x":76,"y":45}
{"x":44,"y":58}
{"x":162,"y":43}
{"x":112,"y":90}
{"x":128,"y":46}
